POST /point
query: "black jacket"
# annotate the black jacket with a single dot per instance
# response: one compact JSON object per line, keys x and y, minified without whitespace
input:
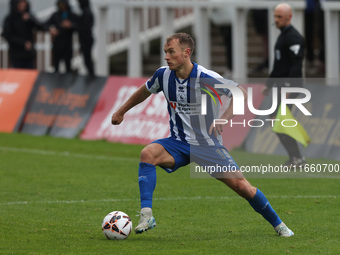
{"x":17,"y":31}
{"x":289,"y":54}
{"x":64,"y":40}
{"x":85,"y":23}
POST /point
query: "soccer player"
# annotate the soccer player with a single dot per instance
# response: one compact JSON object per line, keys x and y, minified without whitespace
{"x":287,"y":71}
{"x":192,"y":136}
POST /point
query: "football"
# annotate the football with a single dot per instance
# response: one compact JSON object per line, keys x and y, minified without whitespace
{"x":117,"y":225}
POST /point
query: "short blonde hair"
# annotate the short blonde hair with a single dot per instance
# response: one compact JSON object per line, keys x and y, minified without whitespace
{"x":184,"y":40}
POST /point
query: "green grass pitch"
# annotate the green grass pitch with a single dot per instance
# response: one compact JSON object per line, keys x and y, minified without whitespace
{"x":54,"y":194}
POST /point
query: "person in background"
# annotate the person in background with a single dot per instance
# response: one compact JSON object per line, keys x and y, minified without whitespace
{"x":85,"y":25}
{"x":19,"y":29}
{"x":62,"y":24}
{"x":287,"y":71}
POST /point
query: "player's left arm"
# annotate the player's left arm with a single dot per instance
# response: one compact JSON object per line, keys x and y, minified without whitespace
{"x":227,"y":115}
{"x":296,"y":51}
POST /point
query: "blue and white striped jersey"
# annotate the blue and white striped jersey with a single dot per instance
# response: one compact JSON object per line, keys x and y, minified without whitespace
{"x":184,"y":99}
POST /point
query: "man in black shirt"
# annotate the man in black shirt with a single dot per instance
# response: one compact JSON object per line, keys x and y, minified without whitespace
{"x":62,"y":23}
{"x":86,"y":40}
{"x":287,"y":71}
{"x":19,"y":30}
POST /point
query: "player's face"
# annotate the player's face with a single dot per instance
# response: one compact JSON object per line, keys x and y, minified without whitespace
{"x":282,"y":18}
{"x":175,"y":55}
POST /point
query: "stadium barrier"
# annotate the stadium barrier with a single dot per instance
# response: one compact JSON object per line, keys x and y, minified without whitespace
{"x":68,"y":105}
{"x":60,"y":104}
{"x":15,"y":89}
{"x":45,"y":103}
{"x":144,"y":123}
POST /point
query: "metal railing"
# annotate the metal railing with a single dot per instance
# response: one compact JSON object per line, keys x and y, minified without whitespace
{"x":110,"y":38}
{"x":131,"y":24}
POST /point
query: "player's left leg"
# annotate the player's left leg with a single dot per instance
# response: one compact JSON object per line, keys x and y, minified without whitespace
{"x":218,"y":155}
{"x":257,"y":200}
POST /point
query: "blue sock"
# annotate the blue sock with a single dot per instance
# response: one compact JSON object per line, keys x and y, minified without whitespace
{"x":261,"y":205}
{"x":147,"y":183}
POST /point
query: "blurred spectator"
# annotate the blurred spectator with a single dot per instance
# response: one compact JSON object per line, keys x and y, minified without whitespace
{"x":223,"y":18}
{"x":315,"y":37}
{"x":260,"y":21}
{"x":85,"y":24}
{"x":62,"y":24}
{"x":18,"y":29}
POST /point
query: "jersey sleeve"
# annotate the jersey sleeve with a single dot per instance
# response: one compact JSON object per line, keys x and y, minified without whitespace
{"x":296,"y":49}
{"x":155,"y":83}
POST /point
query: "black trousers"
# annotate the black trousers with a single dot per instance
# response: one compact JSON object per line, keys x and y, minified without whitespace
{"x":86,"y":50}
{"x":66,"y":56}
{"x":23,"y":63}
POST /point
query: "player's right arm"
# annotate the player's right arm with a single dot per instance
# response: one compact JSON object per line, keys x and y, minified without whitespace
{"x":137,"y":97}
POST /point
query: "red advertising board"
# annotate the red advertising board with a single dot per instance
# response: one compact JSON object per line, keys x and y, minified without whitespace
{"x":143,"y":124}
{"x":15,"y":88}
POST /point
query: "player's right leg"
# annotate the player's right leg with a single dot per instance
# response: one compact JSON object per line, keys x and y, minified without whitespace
{"x":152,"y":155}
{"x":168,"y":153}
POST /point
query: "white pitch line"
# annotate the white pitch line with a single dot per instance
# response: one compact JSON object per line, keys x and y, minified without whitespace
{"x":65,"y":154}
{"x":160,"y":199}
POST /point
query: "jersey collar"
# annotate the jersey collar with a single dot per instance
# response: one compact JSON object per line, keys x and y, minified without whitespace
{"x":192,"y":74}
